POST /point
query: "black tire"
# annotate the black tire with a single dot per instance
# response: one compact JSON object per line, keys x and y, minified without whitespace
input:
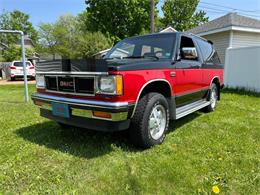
{"x":12,"y":78}
{"x":139,"y":131}
{"x":213,"y":89}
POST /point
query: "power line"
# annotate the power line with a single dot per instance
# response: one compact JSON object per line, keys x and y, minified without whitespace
{"x":227,"y":7}
{"x":221,"y":9}
{"x":226,"y":11}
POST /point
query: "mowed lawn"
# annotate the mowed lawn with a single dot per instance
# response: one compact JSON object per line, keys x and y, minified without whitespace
{"x":200,"y":151}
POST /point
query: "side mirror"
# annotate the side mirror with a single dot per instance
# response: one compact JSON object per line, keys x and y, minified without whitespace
{"x":189,"y":53}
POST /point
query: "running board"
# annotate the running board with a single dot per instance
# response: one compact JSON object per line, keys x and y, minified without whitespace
{"x":190,"y":108}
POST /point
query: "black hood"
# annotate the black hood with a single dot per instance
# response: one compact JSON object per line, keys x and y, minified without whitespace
{"x":102,"y":65}
{"x":138,"y":64}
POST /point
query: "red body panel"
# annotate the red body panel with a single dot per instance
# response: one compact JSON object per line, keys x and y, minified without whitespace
{"x":185,"y":81}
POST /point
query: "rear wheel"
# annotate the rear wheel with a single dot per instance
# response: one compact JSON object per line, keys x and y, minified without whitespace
{"x":12,"y":78}
{"x":213,"y":98}
{"x":150,"y":122}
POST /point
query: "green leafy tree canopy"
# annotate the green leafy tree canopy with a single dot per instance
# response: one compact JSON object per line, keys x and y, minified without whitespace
{"x":118,"y":18}
{"x":67,"y":38}
{"x":15,"y":20}
{"x":182,"y":14}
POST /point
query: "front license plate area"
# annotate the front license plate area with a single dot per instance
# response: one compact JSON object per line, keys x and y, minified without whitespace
{"x":61,"y":110}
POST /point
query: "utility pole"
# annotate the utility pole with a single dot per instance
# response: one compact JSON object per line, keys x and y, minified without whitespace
{"x":152,"y":16}
{"x":26,"y":94}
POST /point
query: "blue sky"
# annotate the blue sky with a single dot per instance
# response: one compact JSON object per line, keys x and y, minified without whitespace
{"x":50,"y":10}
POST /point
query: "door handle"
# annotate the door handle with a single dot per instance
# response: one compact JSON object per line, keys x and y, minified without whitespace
{"x":173,"y":74}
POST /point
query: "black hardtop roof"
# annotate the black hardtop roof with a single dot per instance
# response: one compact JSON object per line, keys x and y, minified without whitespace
{"x":167,"y":33}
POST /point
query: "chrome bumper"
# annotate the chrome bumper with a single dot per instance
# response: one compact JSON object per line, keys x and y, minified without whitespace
{"x":84,"y":108}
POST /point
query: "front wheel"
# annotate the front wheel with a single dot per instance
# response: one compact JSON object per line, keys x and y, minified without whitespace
{"x":151,"y":120}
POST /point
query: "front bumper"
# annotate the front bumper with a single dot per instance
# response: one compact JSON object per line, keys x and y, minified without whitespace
{"x":81,"y":112}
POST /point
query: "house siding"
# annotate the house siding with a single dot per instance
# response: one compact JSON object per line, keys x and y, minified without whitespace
{"x":221,"y":43}
{"x":245,"y":39}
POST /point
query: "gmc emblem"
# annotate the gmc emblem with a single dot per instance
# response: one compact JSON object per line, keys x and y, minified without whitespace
{"x":66,"y":83}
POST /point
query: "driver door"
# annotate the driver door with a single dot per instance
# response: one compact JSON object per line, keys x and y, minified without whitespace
{"x":188,"y":83}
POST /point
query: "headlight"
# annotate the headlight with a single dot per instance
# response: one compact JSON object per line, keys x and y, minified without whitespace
{"x":40,"y":82}
{"x":112,"y":85}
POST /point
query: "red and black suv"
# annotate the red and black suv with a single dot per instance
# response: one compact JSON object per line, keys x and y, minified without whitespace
{"x":142,"y":83}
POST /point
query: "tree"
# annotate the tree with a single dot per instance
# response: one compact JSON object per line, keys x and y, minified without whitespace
{"x":182,"y":14}
{"x":89,"y":44}
{"x":47,"y":39}
{"x":14,"y":53}
{"x":17,"y":20}
{"x":69,"y":39}
{"x":118,"y":18}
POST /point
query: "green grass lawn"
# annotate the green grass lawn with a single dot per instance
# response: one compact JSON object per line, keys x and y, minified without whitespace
{"x":200,"y":151}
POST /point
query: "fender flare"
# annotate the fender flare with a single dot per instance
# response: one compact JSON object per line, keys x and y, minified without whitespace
{"x":142,"y":88}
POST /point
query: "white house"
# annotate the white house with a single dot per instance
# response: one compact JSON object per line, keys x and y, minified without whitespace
{"x":231,"y":30}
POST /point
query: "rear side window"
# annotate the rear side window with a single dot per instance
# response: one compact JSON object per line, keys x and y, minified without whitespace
{"x":206,"y":49}
{"x":208,"y":52}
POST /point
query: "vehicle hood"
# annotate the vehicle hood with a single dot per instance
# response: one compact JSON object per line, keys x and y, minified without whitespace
{"x":138,"y":64}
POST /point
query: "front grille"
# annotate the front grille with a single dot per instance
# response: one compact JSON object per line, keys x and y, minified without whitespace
{"x":51,"y":83}
{"x":83,"y":85}
{"x":71,"y":84}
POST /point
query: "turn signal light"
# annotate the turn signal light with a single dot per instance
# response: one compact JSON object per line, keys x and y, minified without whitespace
{"x":102,"y":114}
{"x":119,"y":84}
{"x":38,"y":103}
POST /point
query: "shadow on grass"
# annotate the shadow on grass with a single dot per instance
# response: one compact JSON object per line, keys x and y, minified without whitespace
{"x":82,"y":142}
{"x":75,"y":141}
{"x":175,"y":125}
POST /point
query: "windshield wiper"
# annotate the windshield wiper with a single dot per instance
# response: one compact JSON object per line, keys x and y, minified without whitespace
{"x":136,"y":57}
{"x":133,"y":57}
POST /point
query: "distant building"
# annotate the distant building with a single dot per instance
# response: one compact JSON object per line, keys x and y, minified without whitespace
{"x":230,"y":31}
{"x":168,"y":29}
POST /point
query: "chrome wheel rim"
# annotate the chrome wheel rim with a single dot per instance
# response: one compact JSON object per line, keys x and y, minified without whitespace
{"x":213,"y":98}
{"x":157,"y":121}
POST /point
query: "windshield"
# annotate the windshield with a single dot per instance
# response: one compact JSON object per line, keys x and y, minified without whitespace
{"x":159,"y":46}
{"x":20,"y":64}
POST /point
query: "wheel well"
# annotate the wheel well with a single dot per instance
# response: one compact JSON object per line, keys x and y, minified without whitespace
{"x":216,"y":81}
{"x":161,"y":87}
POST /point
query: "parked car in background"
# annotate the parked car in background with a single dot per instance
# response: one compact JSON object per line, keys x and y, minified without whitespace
{"x":15,"y":70}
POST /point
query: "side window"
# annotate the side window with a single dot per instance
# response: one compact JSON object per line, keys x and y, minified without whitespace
{"x":206,"y":49}
{"x":208,"y":52}
{"x":188,"y":50}
{"x":215,"y":59}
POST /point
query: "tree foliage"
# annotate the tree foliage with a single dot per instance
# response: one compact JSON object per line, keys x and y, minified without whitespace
{"x":47,"y":39}
{"x":14,"y":53}
{"x":182,"y":14}
{"x":15,"y":20}
{"x":118,"y":18}
{"x":68,"y":38}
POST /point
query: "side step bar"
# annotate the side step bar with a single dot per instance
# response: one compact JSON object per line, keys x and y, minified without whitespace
{"x":190,"y":108}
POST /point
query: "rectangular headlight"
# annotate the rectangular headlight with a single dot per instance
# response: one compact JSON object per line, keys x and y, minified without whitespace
{"x":112,"y":85}
{"x":40,"y":81}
